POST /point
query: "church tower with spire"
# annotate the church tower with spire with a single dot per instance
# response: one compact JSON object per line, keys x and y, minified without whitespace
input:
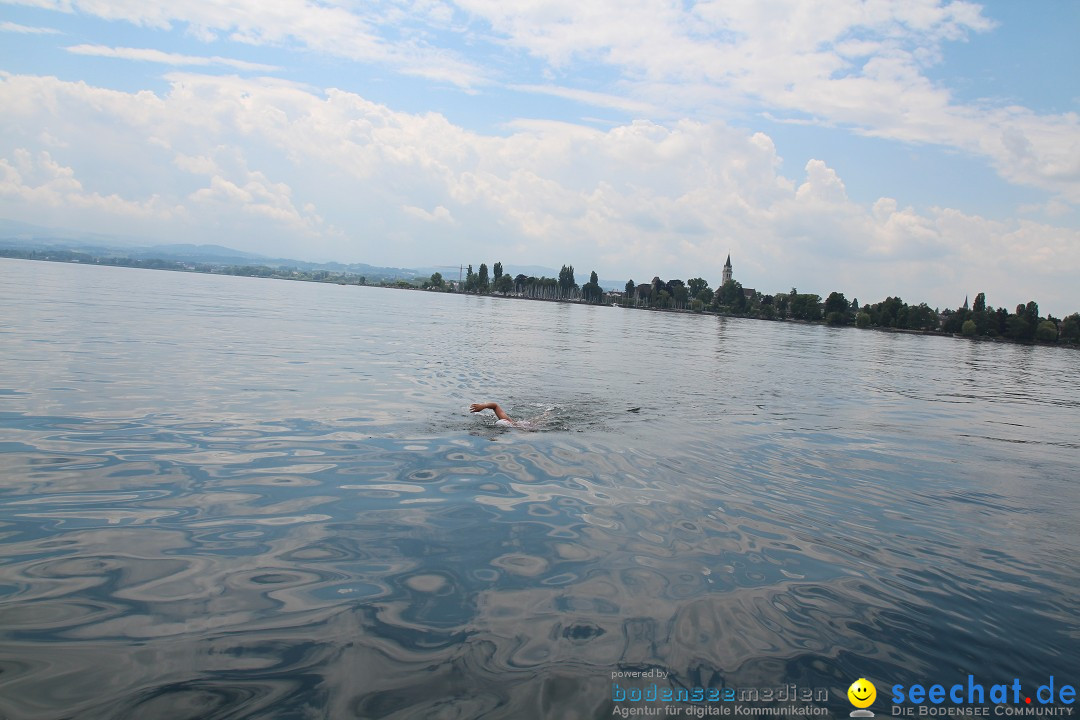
{"x":727,"y":270}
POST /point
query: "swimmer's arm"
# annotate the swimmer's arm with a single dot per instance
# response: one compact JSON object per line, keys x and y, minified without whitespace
{"x":481,"y":407}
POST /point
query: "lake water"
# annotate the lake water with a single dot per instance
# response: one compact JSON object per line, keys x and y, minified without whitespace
{"x":229,"y":497}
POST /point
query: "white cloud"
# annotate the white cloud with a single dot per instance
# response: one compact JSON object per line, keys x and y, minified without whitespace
{"x":26,"y":29}
{"x":39,"y":181}
{"x":257,"y":195}
{"x":595,"y":99}
{"x":438,"y":214}
{"x":198,"y":165}
{"x":855,"y":64}
{"x":356,"y":33}
{"x":1054,"y":208}
{"x":157,"y":56}
{"x":637,"y":200}
{"x":822,"y":183}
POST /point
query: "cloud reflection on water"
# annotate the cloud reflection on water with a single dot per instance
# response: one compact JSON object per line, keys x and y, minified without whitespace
{"x":233,"y":574}
{"x":249,"y":536}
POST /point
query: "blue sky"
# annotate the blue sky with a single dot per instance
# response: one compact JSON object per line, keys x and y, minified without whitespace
{"x":924,"y":149}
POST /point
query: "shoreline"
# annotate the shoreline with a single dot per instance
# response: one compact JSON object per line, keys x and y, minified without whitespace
{"x":713,"y":313}
{"x":206,"y":269}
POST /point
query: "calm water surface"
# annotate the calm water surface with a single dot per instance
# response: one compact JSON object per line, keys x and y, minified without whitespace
{"x":237,"y":498}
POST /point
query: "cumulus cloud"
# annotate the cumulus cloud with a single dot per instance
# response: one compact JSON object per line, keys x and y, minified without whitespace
{"x":39,"y":181}
{"x":439,"y":214}
{"x":255,"y":194}
{"x":198,"y":165}
{"x":822,"y":183}
{"x":1054,"y":207}
{"x":246,"y":162}
{"x":861,"y":65}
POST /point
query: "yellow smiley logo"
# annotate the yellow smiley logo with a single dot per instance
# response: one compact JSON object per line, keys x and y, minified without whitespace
{"x":862,"y":693}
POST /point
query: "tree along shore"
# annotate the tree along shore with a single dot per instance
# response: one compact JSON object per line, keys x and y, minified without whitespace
{"x":979,"y":320}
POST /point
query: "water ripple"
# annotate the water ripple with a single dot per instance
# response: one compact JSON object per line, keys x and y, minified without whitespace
{"x":330,"y":534}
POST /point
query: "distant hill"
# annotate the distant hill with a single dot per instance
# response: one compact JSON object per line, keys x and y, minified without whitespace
{"x":24,"y":236}
{"x":203,"y":250}
{"x":16,"y":230}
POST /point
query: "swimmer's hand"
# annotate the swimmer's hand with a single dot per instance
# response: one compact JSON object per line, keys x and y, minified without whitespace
{"x":499,"y":412}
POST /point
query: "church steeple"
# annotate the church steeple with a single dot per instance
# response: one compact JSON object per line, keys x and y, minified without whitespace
{"x":727,"y":270}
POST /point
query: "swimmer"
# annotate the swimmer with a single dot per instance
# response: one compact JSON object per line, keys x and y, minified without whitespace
{"x":540,"y":422}
{"x":503,"y":418}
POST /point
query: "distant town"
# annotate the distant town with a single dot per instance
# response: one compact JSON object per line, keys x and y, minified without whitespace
{"x":974,"y":319}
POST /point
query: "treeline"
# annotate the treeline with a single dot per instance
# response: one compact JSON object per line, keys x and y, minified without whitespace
{"x":564,"y":287}
{"x":1024,"y":324}
{"x":731,"y":298}
{"x":979,"y":320}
